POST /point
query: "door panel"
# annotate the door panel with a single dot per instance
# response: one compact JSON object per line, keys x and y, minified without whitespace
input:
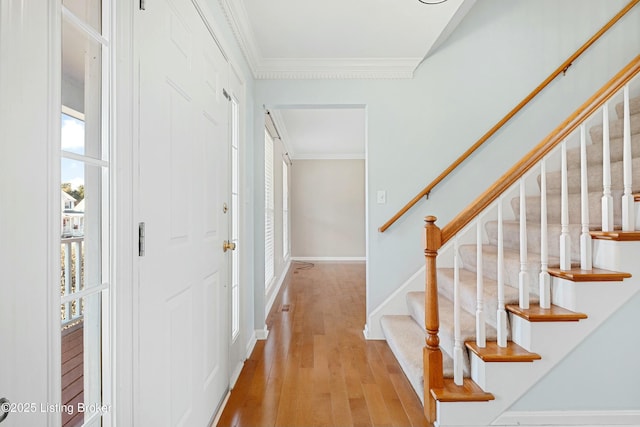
{"x":182,"y":295}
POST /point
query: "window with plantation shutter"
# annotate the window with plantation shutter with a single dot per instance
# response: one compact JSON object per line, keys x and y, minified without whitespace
{"x":285,"y":210}
{"x":269,"y":260}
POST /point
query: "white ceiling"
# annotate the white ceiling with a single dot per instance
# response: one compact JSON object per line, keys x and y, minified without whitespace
{"x":322,"y":133}
{"x":336,"y":39}
{"x":340,"y":38}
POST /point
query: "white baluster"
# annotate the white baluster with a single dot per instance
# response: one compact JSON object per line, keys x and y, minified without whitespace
{"x":457,"y":347}
{"x":628,"y":217}
{"x":501,"y":314}
{"x":585,"y":237}
{"x":523,"y":276}
{"x":607,"y":198}
{"x":545,"y":279}
{"x":79,"y":284}
{"x":565,"y":239}
{"x":481,"y":331}
{"x":67,"y":279}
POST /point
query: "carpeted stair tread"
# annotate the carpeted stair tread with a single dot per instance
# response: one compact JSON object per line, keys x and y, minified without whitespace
{"x":634,"y":107}
{"x":468,"y":293}
{"x":415,"y":302}
{"x":594,"y":174}
{"x":406,"y":340}
{"x":554,"y":210}
{"x":594,"y":152}
{"x":511,"y":263}
{"x":511,"y":237}
{"x":615,"y":128}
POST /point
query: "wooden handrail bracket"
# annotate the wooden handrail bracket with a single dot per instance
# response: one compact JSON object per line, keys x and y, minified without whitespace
{"x":562,"y":69}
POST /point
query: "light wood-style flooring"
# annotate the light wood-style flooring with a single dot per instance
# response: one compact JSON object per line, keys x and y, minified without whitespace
{"x":316,"y":368}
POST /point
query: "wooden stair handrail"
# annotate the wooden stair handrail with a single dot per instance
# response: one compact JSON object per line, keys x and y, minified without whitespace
{"x":561,"y":69}
{"x":542,"y":149}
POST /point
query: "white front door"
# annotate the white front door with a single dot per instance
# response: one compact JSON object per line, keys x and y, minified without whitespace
{"x":182,"y":295}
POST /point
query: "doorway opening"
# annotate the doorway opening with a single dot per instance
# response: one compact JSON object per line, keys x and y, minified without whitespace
{"x":320,"y":210}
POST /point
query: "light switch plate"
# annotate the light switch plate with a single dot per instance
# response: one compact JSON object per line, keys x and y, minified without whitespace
{"x":381,"y":197}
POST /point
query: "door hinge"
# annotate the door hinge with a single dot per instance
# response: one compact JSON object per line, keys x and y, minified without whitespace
{"x":142,"y":5}
{"x":141,"y":239}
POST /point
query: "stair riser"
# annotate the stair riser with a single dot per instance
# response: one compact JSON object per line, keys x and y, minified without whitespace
{"x":468,"y":298}
{"x":616,"y":128}
{"x":511,"y":237}
{"x":634,"y":107}
{"x":511,"y":265}
{"x":595,"y":153}
{"x":554,"y":209}
{"x":594,"y":178}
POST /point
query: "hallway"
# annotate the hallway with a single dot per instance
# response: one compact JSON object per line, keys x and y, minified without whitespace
{"x":316,"y":368}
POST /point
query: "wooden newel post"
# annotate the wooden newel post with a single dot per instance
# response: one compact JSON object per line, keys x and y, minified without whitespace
{"x":432,"y":356}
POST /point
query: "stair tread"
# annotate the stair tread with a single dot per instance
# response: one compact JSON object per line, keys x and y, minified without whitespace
{"x":593,"y":275}
{"x":537,"y":314}
{"x":468,"y":392}
{"x":618,"y":236}
{"x":494,"y":353}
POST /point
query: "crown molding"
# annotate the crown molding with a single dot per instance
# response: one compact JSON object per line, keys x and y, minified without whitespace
{"x":337,"y":68}
{"x":238,"y":21}
{"x":311,"y":68}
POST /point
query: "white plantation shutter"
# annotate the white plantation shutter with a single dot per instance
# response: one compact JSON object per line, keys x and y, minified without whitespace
{"x":269,"y":260}
{"x":285,"y":210}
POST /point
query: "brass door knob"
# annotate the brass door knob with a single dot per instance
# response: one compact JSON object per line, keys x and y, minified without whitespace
{"x":228,"y":245}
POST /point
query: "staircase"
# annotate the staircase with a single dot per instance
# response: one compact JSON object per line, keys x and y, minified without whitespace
{"x":538,"y":334}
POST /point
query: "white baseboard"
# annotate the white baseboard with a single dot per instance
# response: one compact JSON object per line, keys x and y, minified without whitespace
{"x":273,"y":291}
{"x":235,"y":375}
{"x":569,"y":418}
{"x":396,"y":303}
{"x":262,"y":334}
{"x":250,"y":345}
{"x":329,"y":259}
{"x":218,"y":414}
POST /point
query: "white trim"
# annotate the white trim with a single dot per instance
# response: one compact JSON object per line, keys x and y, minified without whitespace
{"x":70,"y":17}
{"x":53,"y":123}
{"x":251,"y":344}
{"x":274,"y":289}
{"x":72,"y":113}
{"x":336,"y":68}
{"x":123,"y":186}
{"x":309,"y":68}
{"x":220,"y":410}
{"x":329,"y":259}
{"x":393,"y":304}
{"x":238,"y":21}
{"x":569,"y":418}
{"x":262,"y":334}
{"x":235,"y":375}
{"x":329,"y":156}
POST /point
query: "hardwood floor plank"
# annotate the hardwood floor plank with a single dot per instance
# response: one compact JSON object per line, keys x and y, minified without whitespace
{"x":316,"y":368}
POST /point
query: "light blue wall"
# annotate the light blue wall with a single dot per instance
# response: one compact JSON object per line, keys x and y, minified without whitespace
{"x":499,"y":53}
{"x":602,"y":373}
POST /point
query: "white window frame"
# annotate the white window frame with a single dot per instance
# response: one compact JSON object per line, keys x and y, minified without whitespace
{"x":235,"y":218}
{"x":269,"y":213}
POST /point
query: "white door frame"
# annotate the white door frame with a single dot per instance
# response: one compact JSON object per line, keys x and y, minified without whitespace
{"x":30,"y":84}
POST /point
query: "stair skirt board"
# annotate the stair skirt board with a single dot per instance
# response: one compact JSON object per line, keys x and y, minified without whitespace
{"x":569,"y":418}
